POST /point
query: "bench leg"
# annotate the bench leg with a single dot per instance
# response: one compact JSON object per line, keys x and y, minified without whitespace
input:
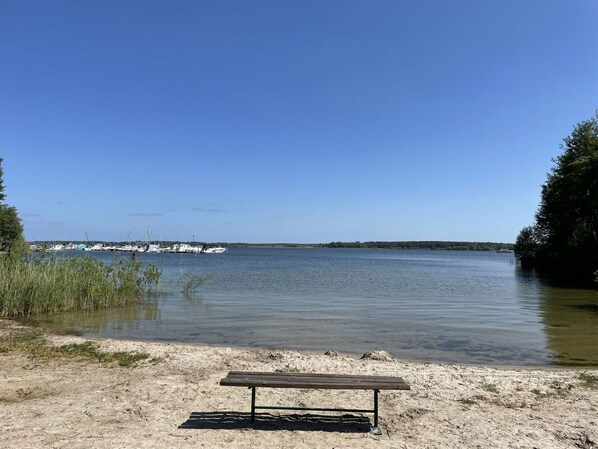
{"x":252,"y":404}
{"x":376,"y":429}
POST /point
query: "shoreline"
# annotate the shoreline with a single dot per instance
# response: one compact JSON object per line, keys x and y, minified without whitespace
{"x":172,"y":399}
{"x":314,"y":352}
{"x":354,"y":354}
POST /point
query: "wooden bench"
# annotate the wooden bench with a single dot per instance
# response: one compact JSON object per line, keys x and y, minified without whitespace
{"x":253,"y":380}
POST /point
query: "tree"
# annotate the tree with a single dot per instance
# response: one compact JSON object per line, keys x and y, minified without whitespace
{"x":566,"y":228}
{"x":526,"y":246}
{"x":11,"y":230}
{"x":2,"y":195}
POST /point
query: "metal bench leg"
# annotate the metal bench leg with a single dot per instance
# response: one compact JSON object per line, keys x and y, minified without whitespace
{"x":376,"y":429}
{"x":252,"y":404}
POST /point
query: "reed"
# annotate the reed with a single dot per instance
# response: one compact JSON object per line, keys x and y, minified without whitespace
{"x":190,"y":281}
{"x":50,"y":285}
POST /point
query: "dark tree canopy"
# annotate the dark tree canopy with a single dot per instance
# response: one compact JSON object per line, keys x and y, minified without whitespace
{"x":11,"y":230}
{"x":566,"y":228}
{"x":526,"y":245}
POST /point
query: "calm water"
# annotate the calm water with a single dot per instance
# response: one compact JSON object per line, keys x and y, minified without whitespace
{"x":475,"y":307}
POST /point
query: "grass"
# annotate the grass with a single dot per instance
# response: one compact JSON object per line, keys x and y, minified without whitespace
{"x":50,"y":285}
{"x":588,"y":380}
{"x":555,"y":390}
{"x":34,"y":343}
{"x":491,"y":388}
{"x":474,"y":400}
{"x":287,"y":369}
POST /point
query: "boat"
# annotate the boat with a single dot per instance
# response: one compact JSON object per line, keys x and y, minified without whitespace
{"x":214,"y":250}
{"x":186,"y":248}
{"x":96,"y":247}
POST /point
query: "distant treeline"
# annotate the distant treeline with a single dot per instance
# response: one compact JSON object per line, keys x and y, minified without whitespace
{"x":456,"y":246}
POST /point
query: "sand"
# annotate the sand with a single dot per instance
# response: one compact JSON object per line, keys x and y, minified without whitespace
{"x":176,"y":402}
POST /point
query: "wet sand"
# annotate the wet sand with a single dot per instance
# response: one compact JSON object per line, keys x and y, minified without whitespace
{"x":176,"y":401}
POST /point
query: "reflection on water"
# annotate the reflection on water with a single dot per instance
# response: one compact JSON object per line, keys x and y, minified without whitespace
{"x":455,"y":306}
{"x":123,"y":320}
{"x":569,"y":316}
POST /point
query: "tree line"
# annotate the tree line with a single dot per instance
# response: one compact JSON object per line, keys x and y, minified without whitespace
{"x":428,"y":245}
{"x":564,"y":235}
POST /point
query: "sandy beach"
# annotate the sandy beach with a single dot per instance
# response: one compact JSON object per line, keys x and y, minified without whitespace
{"x":173,"y":400}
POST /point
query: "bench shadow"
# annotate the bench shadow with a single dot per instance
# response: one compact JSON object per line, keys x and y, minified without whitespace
{"x":267,"y":421}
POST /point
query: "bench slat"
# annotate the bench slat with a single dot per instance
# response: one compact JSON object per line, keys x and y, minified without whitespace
{"x":332,"y":376}
{"x":320,"y":380}
{"x":308,"y":380}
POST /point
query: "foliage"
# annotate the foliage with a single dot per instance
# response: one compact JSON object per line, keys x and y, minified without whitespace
{"x":566,"y":228}
{"x":11,"y":230}
{"x":526,"y":245}
{"x":53,"y":285}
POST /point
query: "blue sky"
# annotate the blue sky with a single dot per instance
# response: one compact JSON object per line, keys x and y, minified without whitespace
{"x":288,"y":121}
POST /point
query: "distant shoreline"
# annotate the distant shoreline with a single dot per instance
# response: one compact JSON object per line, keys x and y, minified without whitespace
{"x":407,"y":245}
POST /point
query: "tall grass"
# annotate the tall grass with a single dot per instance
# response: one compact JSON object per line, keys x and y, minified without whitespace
{"x":53,"y":285}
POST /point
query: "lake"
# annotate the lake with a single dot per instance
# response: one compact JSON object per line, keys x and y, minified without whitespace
{"x":451,"y":306}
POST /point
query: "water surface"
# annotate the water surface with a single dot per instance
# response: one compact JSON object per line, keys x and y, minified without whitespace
{"x":458,"y":306}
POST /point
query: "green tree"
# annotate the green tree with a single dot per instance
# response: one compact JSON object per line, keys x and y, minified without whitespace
{"x":566,"y":226}
{"x":526,"y":246}
{"x":12,"y":240}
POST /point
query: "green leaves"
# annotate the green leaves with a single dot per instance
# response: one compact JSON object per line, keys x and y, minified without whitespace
{"x":12,"y":240}
{"x":566,"y":230}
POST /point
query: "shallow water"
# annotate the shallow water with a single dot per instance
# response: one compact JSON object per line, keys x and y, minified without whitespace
{"x":457,"y":306}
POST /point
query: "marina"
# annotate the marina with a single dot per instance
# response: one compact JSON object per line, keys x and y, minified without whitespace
{"x":180,"y":248}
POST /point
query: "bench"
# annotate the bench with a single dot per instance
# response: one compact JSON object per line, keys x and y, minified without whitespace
{"x":253,"y":380}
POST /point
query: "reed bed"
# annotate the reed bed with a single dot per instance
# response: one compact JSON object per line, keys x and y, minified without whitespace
{"x":50,"y":285}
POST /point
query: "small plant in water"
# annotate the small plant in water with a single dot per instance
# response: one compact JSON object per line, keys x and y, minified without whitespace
{"x":190,"y":281}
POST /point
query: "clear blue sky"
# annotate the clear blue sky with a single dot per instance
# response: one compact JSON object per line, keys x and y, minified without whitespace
{"x":289,"y":121}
